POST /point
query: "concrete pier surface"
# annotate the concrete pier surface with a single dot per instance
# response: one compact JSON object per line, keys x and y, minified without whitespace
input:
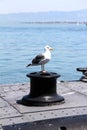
{"x":72,"y":114}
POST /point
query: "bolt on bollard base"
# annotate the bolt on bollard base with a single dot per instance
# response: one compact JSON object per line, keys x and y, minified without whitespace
{"x":43,"y":90}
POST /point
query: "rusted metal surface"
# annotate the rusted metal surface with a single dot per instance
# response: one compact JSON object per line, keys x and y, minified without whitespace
{"x":70,"y":115}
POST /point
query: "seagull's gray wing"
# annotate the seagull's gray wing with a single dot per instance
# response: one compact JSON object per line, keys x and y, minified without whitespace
{"x":38,"y":59}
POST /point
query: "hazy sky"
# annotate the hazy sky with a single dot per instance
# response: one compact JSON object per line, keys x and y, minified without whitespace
{"x":15,"y":6}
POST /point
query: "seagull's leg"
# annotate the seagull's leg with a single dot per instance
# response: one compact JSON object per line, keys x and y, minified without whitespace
{"x":42,"y":68}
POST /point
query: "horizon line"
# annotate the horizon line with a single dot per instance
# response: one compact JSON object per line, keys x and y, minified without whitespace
{"x":41,"y":11}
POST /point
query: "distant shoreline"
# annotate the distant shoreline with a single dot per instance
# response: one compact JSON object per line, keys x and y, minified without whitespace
{"x":49,"y":17}
{"x":56,"y":22}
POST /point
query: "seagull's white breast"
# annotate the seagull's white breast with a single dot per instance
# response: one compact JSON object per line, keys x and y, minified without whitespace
{"x":47,"y":55}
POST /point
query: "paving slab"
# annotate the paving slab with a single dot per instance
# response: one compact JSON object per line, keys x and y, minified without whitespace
{"x":14,"y":116}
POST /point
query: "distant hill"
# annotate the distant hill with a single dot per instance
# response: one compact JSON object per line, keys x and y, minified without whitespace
{"x":51,"y":16}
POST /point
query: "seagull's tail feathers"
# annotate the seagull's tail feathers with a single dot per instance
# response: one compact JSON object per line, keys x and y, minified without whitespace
{"x":28,"y":65}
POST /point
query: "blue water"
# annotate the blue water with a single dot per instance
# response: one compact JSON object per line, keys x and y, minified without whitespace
{"x":19,"y":43}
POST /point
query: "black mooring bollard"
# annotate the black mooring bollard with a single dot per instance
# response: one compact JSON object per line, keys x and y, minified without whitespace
{"x":43,"y":90}
{"x":84,"y":71}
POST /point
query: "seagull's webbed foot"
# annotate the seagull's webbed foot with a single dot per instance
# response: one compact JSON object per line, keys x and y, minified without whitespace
{"x":44,"y":71}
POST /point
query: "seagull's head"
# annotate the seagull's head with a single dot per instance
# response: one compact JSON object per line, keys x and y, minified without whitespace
{"x":48,"y":48}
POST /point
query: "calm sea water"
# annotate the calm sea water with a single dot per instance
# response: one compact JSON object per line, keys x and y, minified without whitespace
{"x":19,"y":43}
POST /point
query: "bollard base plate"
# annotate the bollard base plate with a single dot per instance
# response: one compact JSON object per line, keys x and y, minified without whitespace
{"x":83,"y":78}
{"x":41,"y":101}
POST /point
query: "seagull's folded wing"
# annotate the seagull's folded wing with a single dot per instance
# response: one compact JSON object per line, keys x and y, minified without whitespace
{"x":38,"y":59}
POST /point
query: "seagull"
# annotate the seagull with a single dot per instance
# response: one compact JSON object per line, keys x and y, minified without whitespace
{"x":42,"y":59}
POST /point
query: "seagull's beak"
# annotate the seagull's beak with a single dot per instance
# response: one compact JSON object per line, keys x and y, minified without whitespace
{"x":51,"y":49}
